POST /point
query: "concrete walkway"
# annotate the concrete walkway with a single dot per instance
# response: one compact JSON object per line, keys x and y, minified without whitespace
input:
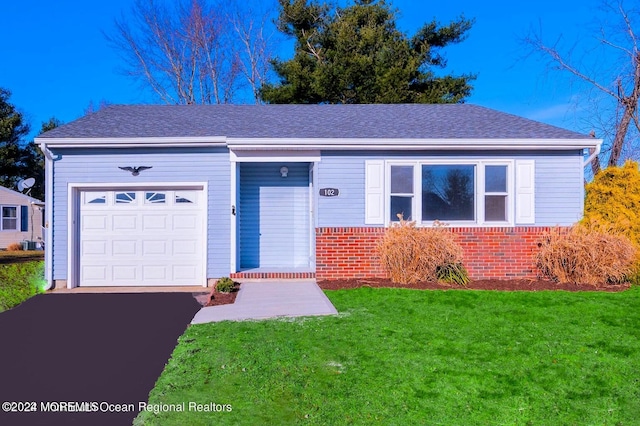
{"x":269,"y":299}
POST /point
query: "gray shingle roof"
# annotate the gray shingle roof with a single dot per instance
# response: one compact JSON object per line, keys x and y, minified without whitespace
{"x":403,"y":121}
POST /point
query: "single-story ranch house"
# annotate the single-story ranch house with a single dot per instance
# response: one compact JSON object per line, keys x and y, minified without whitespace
{"x":20,"y":218}
{"x":151,"y":195}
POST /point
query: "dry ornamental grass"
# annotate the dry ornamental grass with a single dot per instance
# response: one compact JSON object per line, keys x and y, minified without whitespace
{"x":14,"y":247}
{"x":410,"y":254}
{"x":586,"y":255}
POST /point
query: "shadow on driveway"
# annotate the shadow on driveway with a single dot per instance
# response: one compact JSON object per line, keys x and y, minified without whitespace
{"x":87,"y":347}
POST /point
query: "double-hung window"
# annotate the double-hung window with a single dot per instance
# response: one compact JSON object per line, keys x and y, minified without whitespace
{"x":496,"y":193}
{"x":9,"y":218}
{"x":402,"y":189}
{"x":464,"y":193}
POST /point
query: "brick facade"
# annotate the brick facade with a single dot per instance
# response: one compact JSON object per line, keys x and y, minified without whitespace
{"x":502,"y":253}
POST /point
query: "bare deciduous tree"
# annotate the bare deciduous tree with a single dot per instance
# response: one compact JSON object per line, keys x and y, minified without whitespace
{"x":197,"y":51}
{"x":619,"y":83}
{"x":256,"y":40}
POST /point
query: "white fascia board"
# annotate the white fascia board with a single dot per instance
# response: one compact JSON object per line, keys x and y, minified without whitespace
{"x":238,"y":144}
{"x":170,"y":142}
{"x":275,"y":155}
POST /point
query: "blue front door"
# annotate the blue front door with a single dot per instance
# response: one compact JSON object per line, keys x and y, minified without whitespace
{"x":274,"y":219}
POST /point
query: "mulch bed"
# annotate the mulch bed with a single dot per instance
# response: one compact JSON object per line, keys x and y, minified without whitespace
{"x":8,"y":257}
{"x":215,"y":298}
{"x":504,"y":285}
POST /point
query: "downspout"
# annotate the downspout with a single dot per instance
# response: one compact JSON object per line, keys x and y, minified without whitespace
{"x":593,"y":155}
{"x":50,"y":158}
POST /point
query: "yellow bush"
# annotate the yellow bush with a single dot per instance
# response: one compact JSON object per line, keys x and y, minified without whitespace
{"x":586,"y":255}
{"x":411,"y":254}
{"x":613,"y":201}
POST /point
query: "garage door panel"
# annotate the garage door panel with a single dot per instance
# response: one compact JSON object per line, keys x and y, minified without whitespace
{"x":154,"y":273}
{"x":93,"y":273}
{"x":185,"y":272}
{"x":185,"y":222}
{"x":152,"y":247}
{"x":94,"y":222}
{"x":154,"y":222}
{"x":184,"y":247}
{"x":124,"y":247}
{"x":123,"y":222}
{"x":90,"y":248}
{"x":142,"y":237}
{"x":124,"y":273}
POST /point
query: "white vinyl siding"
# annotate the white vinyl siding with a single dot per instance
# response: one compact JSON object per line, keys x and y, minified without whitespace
{"x":172,"y":166}
{"x":558,"y":183}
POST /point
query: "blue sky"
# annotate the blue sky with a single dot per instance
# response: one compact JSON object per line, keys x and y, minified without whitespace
{"x":56,"y":61}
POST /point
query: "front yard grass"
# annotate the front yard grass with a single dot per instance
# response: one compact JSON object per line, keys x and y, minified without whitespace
{"x":20,"y":281}
{"x":399,"y":357}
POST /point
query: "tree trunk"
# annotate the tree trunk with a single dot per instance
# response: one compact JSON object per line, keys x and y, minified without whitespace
{"x":595,"y":163}
{"x":621,"y":132}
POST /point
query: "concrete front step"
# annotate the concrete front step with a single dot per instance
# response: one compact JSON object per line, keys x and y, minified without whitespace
{"x":260,"y":300}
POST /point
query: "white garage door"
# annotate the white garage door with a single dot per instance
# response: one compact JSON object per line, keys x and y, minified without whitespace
{"x":142,"y":237}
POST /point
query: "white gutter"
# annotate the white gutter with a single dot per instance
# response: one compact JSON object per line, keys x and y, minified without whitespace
{"x":49,"y":159}
{"x":238,"y":144}
{"x":439,"y":147}
{"x":594,"y":154}
{"x":130,"y":142}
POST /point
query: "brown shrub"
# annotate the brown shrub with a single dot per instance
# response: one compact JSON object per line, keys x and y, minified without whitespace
{"x":411,"y":254}
{"x":14,"y":247}
{"x":586,"y":255}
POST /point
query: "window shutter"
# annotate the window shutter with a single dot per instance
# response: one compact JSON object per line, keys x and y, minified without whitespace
{"x":24,"y":219}
{"x":525,"y":192}
{"x":374,"y":192}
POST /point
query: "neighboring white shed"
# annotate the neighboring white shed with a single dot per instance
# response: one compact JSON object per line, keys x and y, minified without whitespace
{"x":20,"y":218}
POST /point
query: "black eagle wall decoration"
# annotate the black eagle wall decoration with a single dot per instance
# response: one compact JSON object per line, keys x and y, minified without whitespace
{"x":135,"y":171}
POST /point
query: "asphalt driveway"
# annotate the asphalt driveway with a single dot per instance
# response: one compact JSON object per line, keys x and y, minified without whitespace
{"x":96,"y":348}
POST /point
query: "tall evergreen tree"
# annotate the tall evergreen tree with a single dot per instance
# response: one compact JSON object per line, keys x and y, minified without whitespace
{"x":13,"y":130}
{"x":356,"y":54}
{"x":19,"y":159}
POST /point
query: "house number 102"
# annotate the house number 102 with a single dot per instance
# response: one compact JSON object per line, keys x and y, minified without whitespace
{"x":329,"y":192}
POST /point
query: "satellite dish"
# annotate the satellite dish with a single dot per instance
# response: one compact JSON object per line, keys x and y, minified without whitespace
{"x":28,"y":183}
{"x":25,"y":184}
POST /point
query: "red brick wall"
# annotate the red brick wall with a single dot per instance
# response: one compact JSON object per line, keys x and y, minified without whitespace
{"x":347,"y":253}
{"x":503,"y":253}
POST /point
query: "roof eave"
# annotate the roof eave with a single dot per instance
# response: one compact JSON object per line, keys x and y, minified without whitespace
{"x":171,"y":142}
{"x":410,"y":144}
{"x":324,"y":143}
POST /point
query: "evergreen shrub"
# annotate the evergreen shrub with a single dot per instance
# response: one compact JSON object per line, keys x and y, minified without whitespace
{"x":225,"y":285}
{"x":612,"y":201}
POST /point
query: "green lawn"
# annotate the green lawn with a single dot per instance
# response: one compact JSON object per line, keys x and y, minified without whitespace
{"x":407,"y":357}
{"x":20,"y":281}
